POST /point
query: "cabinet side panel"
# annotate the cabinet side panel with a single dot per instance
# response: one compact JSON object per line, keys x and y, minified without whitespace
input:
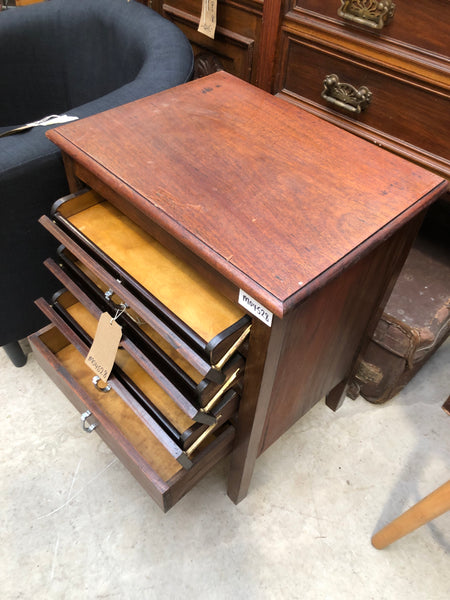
{"x":326,"y":333}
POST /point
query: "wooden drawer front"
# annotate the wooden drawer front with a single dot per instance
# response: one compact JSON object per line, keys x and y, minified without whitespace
{"x":195,"y":395}
{"x":122,"y":428}
{"x":231,"y":15}
{"x":165,"y":292}
{"x":175,"y":430}
{"x":234,"y":40}
{"x":425,"y":25}
{"x":398,"y":109}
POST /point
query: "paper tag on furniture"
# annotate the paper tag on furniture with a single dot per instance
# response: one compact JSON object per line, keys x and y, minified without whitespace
{"x":102,"y":354}
{"x":255,"y":308}
{"x":50,"y":120}
{"x":208,"y":18}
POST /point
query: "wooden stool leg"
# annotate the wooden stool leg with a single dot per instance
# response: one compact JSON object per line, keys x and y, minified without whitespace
{"x":432,"y":506}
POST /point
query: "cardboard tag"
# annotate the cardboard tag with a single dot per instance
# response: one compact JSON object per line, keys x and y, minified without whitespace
{"x":208,"y":18}
{"x":102,"y":354}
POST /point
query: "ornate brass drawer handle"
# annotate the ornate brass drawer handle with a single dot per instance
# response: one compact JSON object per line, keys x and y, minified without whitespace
{"x":344,"y":95}
{"x":86,"y":427}
{"x":373,"y":13}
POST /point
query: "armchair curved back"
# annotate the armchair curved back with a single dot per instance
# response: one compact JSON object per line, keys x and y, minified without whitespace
{"x":78,"y":57}
{"x":63,"y":54}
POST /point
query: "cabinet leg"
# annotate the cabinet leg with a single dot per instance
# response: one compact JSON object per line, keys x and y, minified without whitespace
{"x":335,"y":397}
{"x":434,"y":505}
{"x":260,"y":371}
{"x":15,"y":354}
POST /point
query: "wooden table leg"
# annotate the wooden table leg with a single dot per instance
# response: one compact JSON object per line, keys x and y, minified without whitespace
{"x":432,"y":506}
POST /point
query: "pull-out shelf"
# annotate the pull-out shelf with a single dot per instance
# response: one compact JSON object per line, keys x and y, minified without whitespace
{"x":167,"y":407}
{"x":195,"y":394}
{"x":168,"y":294}
{"x":124,"y":425}
{"x":176,"y":431}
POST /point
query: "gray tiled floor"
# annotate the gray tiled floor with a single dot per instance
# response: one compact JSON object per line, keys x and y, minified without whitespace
{"x":76,"y":525}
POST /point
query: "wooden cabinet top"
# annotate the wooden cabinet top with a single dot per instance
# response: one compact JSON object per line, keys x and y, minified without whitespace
{"x":275,"y":199}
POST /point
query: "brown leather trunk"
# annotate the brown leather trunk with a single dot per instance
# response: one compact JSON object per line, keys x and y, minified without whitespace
{"x":416,"y":320}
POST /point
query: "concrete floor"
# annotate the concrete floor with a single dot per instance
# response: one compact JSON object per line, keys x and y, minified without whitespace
{"x":76,"y":525}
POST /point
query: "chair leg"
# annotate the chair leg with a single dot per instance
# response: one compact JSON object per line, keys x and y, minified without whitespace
{"x":15,"y":353}
{"x":427,"y":509}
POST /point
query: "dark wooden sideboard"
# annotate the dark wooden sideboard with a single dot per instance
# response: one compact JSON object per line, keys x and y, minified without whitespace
{"x":403,"y":60}
{"x":296,"y":227}
{"x":235,"y":45}
{"x":289,"y":47}
{"x":398,"y":50}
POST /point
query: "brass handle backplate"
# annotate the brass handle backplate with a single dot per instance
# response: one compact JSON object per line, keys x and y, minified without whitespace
{"x":372,"y":13}
{"x":344,"y":95}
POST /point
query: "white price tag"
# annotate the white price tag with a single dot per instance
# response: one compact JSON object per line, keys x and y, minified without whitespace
{"x":255,"y":308}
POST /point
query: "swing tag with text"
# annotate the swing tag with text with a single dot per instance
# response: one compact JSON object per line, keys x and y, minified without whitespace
{"x":208,"y":18}
{"x":102,"y":354}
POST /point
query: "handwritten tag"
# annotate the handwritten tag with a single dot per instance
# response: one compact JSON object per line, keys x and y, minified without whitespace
{"x":255,"y":308}
{"x":208,"y":18}
{"x":102,"y":354}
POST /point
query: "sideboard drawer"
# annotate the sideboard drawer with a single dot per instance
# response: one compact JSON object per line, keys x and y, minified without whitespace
{"x":424,"y":25}
{"x":399,"y":109}
{"x":164,"y":291}
{"x":124,"y":428}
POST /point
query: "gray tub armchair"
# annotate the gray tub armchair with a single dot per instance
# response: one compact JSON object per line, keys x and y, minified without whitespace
{"x":75,"y":57}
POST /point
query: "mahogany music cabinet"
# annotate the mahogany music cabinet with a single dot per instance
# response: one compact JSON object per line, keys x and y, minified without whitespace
{"x":245,"y":247}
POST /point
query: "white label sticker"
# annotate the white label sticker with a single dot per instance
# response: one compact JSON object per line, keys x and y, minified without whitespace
{"x":255,"y":308}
